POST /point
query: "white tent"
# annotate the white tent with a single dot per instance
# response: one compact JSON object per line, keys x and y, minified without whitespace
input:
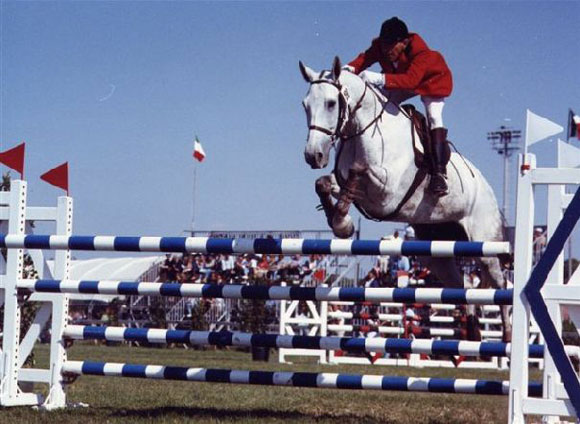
{"x":125,"y":269}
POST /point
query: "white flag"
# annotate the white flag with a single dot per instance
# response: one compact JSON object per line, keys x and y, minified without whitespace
{"x":539,"y":128}
{"x":568,"y":155}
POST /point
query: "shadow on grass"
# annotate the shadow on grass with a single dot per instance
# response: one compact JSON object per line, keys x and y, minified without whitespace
{"x":235,"y":414}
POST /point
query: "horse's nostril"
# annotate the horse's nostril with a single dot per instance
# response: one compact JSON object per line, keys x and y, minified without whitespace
{"x":319,"y":157}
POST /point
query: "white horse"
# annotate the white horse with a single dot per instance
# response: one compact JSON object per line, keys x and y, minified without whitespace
{"x":376,"y":168}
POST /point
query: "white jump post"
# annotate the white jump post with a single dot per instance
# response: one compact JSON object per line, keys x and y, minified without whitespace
{"x":16,"y":217}
{"x":316,"y":325}
{"x":554,"y":401}
{"x":10,"y":393}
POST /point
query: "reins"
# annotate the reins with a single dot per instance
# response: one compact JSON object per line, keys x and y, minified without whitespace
{"x":345,"y":112}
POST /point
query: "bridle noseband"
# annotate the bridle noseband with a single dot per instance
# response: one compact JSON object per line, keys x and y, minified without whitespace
{"x":343,"y":111}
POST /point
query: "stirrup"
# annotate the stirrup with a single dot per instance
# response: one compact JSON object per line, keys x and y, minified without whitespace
{"x":438,"y":184}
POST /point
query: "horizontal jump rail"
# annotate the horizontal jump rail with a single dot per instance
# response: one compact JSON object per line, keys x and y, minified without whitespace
{"x":416,"y":331}
{"x":261,"y":245}
{"x":350,"y":344}
{"x":231,"y":291}
{"x":434,"y":306}
{"x":347,"y":315}
{"x":295,"y":379}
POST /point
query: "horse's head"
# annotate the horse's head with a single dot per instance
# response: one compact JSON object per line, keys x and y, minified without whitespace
{"x":326,"y":113}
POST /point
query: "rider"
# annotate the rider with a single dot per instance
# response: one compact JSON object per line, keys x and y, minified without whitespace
{"x":410,"y":68}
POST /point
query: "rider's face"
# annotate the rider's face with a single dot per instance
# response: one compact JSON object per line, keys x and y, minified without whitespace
{"x":393,"y":50}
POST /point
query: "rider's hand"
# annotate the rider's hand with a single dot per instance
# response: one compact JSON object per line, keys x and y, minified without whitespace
{"x":374,"y":78}
{"x":348,"y":68}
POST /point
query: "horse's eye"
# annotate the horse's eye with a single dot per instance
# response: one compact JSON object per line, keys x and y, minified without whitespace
{"x":330,"y":104}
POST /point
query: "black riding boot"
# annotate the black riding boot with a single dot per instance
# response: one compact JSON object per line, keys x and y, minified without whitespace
{"x":440,"y":156}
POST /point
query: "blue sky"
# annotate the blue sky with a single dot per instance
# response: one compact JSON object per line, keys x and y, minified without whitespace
{"x":119,"y":89}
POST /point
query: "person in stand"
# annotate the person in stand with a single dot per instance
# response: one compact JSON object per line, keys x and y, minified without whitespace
{"x":371,"y":280}
{"x":410,"y":68}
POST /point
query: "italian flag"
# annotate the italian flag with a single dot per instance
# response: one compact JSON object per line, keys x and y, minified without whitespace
{"x":573,"y":125}
{"x":198,"y":152}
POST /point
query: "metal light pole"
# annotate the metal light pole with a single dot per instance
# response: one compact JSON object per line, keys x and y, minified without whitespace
{"x":505,"y":141}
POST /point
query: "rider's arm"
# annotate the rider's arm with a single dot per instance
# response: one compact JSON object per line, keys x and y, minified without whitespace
{"x":411,"y":79}
{"x":366,"y":58}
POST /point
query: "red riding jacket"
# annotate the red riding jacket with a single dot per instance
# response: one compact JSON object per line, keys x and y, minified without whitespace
{"x":420,"y":70}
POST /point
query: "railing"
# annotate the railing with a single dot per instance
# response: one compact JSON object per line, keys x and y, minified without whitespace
{"x":178,"y":311}
{"x":219,"y":315}
{"x":352,"y":264}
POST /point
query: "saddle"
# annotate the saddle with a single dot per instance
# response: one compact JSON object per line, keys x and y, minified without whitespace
{"x":419,"y":122}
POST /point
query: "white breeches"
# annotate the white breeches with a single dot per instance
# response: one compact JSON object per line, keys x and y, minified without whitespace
{"x":434,"y":109}
{"x":433,"y":105}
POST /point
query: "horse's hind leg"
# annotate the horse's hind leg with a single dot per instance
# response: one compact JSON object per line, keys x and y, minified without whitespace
{"x":446,"y":270}
{"x":491,"y":275}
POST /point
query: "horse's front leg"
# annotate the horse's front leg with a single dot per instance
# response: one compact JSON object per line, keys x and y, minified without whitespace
{"x":342,"y":224}
{"x":324,"y":187}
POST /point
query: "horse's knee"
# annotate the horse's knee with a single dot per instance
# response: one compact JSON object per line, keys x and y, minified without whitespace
{"x":342,"y":226}
{"x":357,"y":169}
{"x":323,"y":185}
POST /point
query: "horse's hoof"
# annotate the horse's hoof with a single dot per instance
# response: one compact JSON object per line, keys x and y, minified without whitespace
{"x":342,"y":227}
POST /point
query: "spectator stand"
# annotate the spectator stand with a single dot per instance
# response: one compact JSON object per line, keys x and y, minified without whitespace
{"x":222,"y":314}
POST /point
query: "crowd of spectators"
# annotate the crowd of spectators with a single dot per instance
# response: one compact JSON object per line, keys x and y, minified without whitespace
{"x":388,"y":271}
{"x":399,"y":271}
{"x":226,"y":269}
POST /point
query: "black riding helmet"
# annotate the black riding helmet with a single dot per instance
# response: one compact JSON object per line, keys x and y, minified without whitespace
{"x":393,"y":30}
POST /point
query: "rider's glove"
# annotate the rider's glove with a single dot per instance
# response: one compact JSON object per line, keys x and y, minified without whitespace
{"x":374,"y":78}
{"x":348,"y":68}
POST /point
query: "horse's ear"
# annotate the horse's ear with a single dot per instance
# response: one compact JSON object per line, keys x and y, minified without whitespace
{"x":307,"y":73}
{"x":336,"y":68}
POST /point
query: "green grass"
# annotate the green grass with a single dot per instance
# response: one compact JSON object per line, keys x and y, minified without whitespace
{"x":116,"y":400}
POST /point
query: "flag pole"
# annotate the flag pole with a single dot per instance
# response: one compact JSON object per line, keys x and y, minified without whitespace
{"x":527,"y":137}
{"x":193,"y":196}
{"x":570,"y":115}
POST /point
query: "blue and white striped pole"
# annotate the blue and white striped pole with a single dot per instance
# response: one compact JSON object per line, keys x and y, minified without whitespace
{"x":351,"y":344}
{"x":267,"y":246}
{"x":231,"y":291}
{"x":295,"y":379}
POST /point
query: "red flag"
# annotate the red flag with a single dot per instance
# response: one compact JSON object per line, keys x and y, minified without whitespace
{"x":14,"y":158}
{"x":57,"y":176}
{"x":198,"y":151}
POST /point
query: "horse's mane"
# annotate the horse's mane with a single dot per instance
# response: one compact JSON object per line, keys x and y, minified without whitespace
{"x":382,"y":97}
{"x":326,"y":74}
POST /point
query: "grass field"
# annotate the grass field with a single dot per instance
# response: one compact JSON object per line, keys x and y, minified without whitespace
{"x":116,"y":400}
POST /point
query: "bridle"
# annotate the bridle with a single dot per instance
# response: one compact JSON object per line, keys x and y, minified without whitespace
{"x":344,"y":112}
